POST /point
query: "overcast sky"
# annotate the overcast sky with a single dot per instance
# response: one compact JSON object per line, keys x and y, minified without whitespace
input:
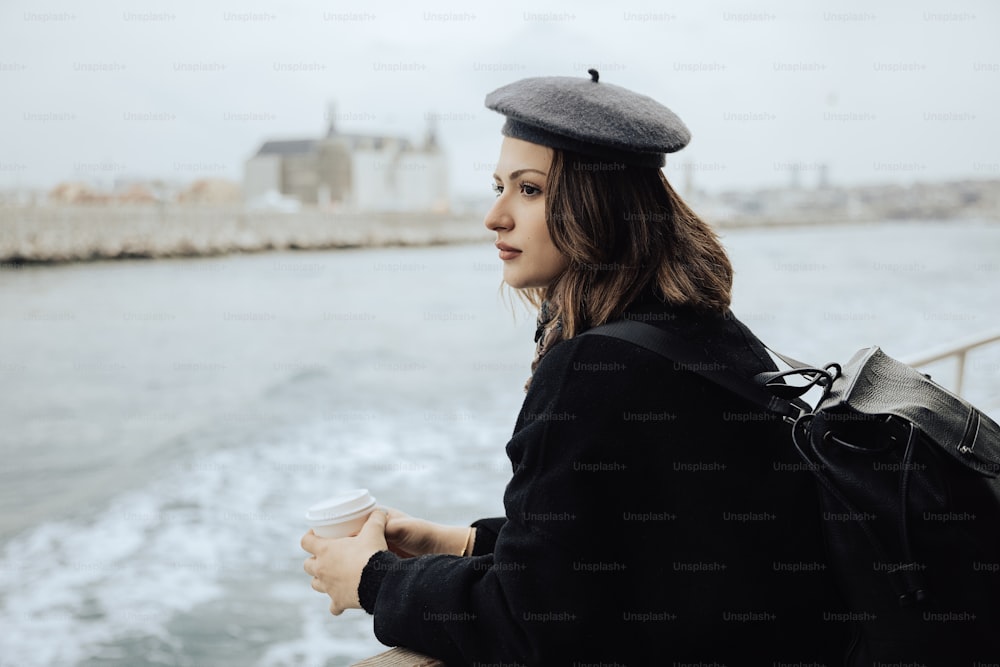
{"x":880,"y":91}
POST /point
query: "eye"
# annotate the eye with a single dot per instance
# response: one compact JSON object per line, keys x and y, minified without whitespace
{"x":498,"y":189}
{"x":530,"y":190}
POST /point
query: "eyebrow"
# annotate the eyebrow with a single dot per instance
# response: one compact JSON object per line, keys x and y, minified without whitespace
{"x":515,"y":174}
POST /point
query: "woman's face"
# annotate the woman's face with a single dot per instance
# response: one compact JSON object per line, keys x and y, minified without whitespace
{"x":530,"y":259}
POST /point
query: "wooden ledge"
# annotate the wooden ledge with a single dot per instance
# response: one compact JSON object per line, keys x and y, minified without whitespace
{"x":399,"y":657}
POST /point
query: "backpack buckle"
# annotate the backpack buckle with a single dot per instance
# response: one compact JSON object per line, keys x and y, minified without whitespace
{"x":796,"y":404}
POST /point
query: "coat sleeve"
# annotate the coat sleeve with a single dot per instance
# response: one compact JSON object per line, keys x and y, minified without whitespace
{"x":527,"y":601}
{"x":487,"y":531}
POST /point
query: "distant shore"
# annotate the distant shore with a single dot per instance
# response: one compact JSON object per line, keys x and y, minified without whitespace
{"x":75,"y":233}
{"x":68,"y":233}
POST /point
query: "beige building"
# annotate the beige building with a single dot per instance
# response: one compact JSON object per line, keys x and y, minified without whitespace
{"x":350,"y":172}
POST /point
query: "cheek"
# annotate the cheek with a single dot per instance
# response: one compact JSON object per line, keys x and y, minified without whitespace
{"x":538,"y":227}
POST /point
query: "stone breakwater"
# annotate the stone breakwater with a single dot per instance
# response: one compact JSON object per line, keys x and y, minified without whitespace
{"x":81,"y":233}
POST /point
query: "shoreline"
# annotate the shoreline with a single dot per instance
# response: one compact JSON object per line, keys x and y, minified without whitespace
{"x":16,"y":262}
{"x":67,"y":234}
{"x":54,"y":235}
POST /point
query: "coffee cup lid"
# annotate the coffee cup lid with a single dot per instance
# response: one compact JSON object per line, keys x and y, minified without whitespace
{"x":341,"y":505}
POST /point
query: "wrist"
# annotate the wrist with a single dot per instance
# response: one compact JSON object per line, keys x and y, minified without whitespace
{"x":461,"y":541}
{"x":470,"y":545}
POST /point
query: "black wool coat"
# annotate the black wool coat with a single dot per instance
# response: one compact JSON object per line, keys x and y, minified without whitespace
{"x":652,"y":518}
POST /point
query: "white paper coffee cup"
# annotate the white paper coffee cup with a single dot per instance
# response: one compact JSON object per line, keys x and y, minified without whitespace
{"x":341,"y":515}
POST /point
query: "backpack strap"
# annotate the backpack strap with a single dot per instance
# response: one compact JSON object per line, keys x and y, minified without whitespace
{"x":672,"y":346}
{"x":792,"y":363}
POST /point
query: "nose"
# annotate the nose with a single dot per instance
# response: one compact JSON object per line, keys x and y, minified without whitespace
{"x":497,"y":218}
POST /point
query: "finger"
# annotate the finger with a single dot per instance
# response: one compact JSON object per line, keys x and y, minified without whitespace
{"x":375,"y":525}
{"x":317,"y":585}
{"x":309,"y":542}
{"x":335,"y":610}
{"x":308,"y":565}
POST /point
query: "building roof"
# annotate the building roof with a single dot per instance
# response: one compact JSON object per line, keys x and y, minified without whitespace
{"x":288,"y":147}
{"x":353,"y":141}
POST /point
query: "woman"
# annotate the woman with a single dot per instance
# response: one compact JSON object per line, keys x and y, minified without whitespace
{"x":652,"y":517}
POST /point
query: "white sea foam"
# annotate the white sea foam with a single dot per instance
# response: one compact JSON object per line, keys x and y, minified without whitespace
{"x":161,"y":551}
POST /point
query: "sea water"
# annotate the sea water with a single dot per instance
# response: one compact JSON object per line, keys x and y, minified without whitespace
{"x":165,"y":423}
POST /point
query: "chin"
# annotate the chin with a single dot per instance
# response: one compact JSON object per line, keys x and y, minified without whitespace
{"x":518,"y":280}
{"x":527,"y":285}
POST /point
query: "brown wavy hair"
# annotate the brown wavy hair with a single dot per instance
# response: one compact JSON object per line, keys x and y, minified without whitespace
{"x":624,"y":230}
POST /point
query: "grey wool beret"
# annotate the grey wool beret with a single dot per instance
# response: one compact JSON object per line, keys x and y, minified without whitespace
{"x":596,"y":119}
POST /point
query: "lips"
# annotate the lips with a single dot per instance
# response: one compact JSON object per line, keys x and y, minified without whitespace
{"x":507,"y":252}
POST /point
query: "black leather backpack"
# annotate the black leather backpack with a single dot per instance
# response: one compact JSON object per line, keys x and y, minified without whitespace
{"x":907,"y":477}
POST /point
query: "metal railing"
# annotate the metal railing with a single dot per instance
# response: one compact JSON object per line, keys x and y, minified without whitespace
{"x":399,"y":657}
{"x":958,"y":350}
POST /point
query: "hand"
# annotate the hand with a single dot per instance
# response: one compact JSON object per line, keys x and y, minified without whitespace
{"x":337,"y":562}
{"x":408,"y":536}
